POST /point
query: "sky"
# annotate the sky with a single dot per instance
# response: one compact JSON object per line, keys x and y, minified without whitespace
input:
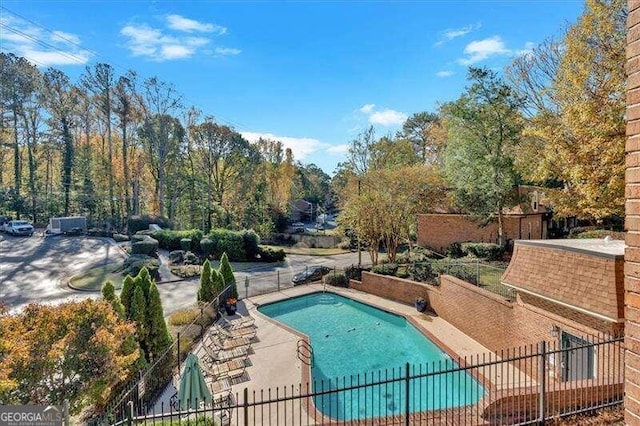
{"x":312,"y":74}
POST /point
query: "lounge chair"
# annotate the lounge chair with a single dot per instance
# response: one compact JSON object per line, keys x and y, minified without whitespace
{"x":231,"y":370}
{"x":224,"y":342}
{"x":214,"y":355}
{"x":248,"y":332}
{"x":242,"y":322}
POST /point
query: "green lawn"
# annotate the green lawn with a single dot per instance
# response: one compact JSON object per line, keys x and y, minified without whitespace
{"x":94,"y":278}
{"x":490,"y":280}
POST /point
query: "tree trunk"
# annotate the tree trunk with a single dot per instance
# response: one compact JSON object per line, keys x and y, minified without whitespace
{"x":16,"y":162}
{"x":67,"y":164}
{"x":125,"y":170}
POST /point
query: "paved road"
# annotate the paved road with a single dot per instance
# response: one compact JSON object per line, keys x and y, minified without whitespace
{"x":35,"y":270}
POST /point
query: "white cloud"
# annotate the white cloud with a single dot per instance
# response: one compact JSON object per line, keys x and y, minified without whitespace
{"x":479,"y":50}
{"x":180,"y":23}
{"x":22,"y":38}
{"x":450,"y":34}
{"x":527,"y":50}
{"x":386,"y":117}
{"x":367,"y":109}
{"x":301,"y":147}
{"x":338,"y":149}
{"x":445,"y":73}
{"x":170,"y":43}
{"x":227,"y":51}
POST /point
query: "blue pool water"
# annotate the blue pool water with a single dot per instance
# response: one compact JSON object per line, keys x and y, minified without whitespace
{"x":350,"y":338}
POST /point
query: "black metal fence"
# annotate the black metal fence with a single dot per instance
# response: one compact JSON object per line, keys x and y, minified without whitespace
{"x":530,"y":384}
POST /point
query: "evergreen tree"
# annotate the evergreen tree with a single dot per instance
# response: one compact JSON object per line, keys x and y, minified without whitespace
{"x":138,"y":315}
{"x":144,"y":281}
{"x":227,"y":274}
{"x":158,"y":339}
{"x":206,"y":291}
{"x":109,"y":294}
{"x":217,"y":283}
{"x":126,"y":295}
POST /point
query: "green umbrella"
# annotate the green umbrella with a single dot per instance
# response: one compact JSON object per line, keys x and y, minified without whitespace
{"x":193,"y":389}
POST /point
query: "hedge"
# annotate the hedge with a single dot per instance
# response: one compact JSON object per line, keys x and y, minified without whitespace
{"x":240,"y":246}
{"x":141,"y":223}
{"x":338,"y":280}
{"x":267,"y":254}
{"x":487,"y":251}
{"x":147,"y":246}
{"x":133,"y":264}
{"x":172,"y":240}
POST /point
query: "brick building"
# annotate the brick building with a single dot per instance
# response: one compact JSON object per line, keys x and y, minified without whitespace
{"x":632,"y":221}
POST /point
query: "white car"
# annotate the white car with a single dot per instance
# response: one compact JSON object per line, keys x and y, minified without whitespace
{"x":19,"y":227}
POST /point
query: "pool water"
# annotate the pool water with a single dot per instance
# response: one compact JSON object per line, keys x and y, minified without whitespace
{"x":350,"y":338}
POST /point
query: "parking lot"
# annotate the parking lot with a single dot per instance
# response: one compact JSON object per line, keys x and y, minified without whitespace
{"x":32,"y":269}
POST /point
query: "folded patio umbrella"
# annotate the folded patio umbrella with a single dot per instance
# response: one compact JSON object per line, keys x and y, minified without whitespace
{"x":193,"y":389}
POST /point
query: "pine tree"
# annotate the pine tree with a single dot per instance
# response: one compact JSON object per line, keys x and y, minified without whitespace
{"x":206,"y":292}
{"x":126,"y":295}
{"x":139,"y":316}
{"x":144,"y":281}
{"x":158,"y":339}
{"x":227,"y":274}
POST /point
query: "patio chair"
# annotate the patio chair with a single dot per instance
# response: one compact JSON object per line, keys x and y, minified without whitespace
{"x":214,"y":355}
{"x":231,"y":370}
{"x":224,"y":342}
{"x":247,"y":332}
{"x":242,"y":322}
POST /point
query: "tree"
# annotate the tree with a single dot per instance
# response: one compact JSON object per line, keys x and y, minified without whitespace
{"x":60,"y":97}
{"x":109,"y":294}
{"x":126,"y":294}
{"x":359,"y":154}
{"x":78,"y":351}
{"x":218,"y":284}
{"x":388,"y":153}
{"x":226,"y":272}
{"x":206,"y":291}
{"x":423,"y":130}
{"x":158,"y":338}
{"x":575,"y":94}
{"x":139,"y":317}
{"x":484,"y":128}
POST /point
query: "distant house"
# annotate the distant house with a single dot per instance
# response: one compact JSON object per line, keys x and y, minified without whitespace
{"x":301,"y":211}
{"x":530,"y":219}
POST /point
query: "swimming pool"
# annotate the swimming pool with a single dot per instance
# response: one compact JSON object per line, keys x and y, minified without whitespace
{"x":351,"y":338}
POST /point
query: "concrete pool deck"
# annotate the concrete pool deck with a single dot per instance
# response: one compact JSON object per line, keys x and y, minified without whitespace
{"x":275,"y":364}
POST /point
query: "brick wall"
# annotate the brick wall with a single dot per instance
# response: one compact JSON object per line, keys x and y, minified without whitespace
{"x":480,"y":314}
{"x":438,"y":231}
{"x":632,"y":221}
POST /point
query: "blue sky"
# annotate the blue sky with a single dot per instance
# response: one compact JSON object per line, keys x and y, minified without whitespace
{"x":311,"y":74}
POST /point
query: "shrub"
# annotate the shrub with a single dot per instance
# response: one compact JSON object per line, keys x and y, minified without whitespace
{"x":580,"y":229}
{"x":208,"y":247}
{"x":385,"y":269}
{"x":353,"y":273}
{"x":186,"y":271}
{"x":141,"y":223}
{"x":599,"y":233}
{"x":487,"y":251}
{"x":185,"y":244}
{"x":191,"y":259}
{"x":345,"y":244}
{"x":206,"y":291}
{"x":338,"y":280}
{"x":176,"y":257}
{"x":227,"y":275}
{"x":148,"y":246}
{"x":267,"y":254}
{"x":251,"y":242}
{"x":133,"y":265}
{"x":454,"y":250}
{"x":172,"y":240}
{"x":230,"y":242}
{"x":421,"y":271}
{"x":183,"y":316}
{"x":119,"y":238}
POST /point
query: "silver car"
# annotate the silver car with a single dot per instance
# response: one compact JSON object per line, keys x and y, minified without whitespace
{"x":19,"y":227}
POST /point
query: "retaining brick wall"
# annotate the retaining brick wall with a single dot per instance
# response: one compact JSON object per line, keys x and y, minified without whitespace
{"x":632,"y":220}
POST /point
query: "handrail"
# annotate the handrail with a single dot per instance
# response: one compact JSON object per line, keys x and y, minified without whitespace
{"x":305,"y":352}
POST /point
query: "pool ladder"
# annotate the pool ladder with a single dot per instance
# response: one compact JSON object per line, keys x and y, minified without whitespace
{"x":305,"y":352}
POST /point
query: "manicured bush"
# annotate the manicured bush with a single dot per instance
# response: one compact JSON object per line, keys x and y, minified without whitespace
{"x":487,"y":251}
{"x":134,"y":264}
{"x":140,"y":223}
{"x":267,"y":254}
{"x":176,"y":257}
{"x":251,"y":242}
{"x":455,"y":250}
{"x":172,"y":240}
{"x":206,"y":292}
{"x":226,"y":272}
{"x":186,"y":271}
{"x":109,"y":294}
{"x":421,"y":271}
{"x":119,"y":238}
{"x":353,"y":273}
{"x":190,"y":258}
{"x":385,"y":269}
{"x":208,"y":247}
{"x":148,"y":246}
{"x":338,"y":280}
{"x":230,"y":242}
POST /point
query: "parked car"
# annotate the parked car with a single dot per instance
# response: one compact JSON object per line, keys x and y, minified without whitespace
{"x":311,"y":273}
{"x":19,"y":227}
{"x":298,"y":227}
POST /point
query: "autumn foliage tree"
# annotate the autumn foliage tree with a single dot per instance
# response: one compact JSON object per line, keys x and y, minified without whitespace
{"x":77,"y":351}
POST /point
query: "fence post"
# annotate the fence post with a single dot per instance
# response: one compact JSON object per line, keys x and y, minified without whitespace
{"x":178,"y":343}
{"x":278,"y":279}
{"x":130,"y":413}
{"x":246,"y":406}
{"x":246,"y":287}
{"x":542,"y":379}
{"x":65,"y":412}
{"x":406,"y":394}
{"x":478,"y":272}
